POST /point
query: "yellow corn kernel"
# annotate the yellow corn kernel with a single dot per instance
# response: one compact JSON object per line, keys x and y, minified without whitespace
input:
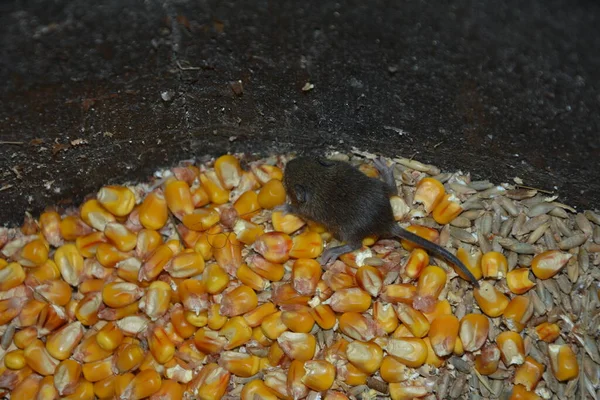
{"x":443,"y":334}
{"x":494,"y":265}
{"x":298,"y":346}
{"x":429,"y":192}
{"x":46,"y":390}
{"x":417,"y":261}
{"x":72,"y":227}
{"x":238,"y":301}
{"x":517,"y":313}
{"x":486,"y":363}
{"x":306,"y":274}
{"x":324,"y":316}
{"x":67,"y":377}
{"x":276,"y":355}
{"x":354,"y":376}
{"x":491,"y":301}
{"x":366,"y":356}
{"x":370,"y":279}
{"x":199,"y":196}
{"x":161,"y":347}
{"x":286,"y":223}
{"x":236,"y":332}
{"x":401,"y":391}
{"x":38,"y":358}
{"x":88,"y":244}
{"x":182,"y":326}
{"x":257,"y":389}
{"x":227,"y":251}
{"x":271,"y":194}
{"x":350,"y":300}
{"x":215,"y":279}
{"x":336,"y":352}
{"x":432,"y":357}
{"x":113,"y":314}
{"x":109,"y":337}
{"x":295,"y":387}
{"x":385,"y":316}
{"x":91,"y":285}
{"x":520,"y":393}
{"x":256,"y":316}
{"x":392,"y":370}
{"x":50,"y":227}
{"x":518,"y":280}
{"x":179,"y":198}
{"x":105,"y":389}
{"x":143,"y":385}
{"x":425,"y":232}
{"x":169,"y":390}
{"x":89,"y":351}
{"x":298,"y":320}
{"x":15,"y":359}
{"x":401,"y":332}
{"x":459,"y":349}
{"x":440,"y":308}
{"x":201,"y":219}
{"x":247,"y":232}
{"x":431,"y":282}
{"x":215,"y":320}
{"x":83,"y":391}
{"x":128,"y":357}
{"x":549,"y":263}
{"x":34,"y":253}
{"x":319,"y":375}
{"x":69,"y":263}
{"x":217,"y":193}
{"x":412,"y":352}
{"x":265,"y":172}
{"x":210,"y":384}
{"x":250,"y":278}
{"x":87,"y":309}
{"x":61,"y":343}
{"x":155,"y":303}
{"x":153,"y":212}
{"x":272,"y":325}
{"x":121,"y":237}
{"x":357,"y":326}
{"x":512,"y":348}
{"x":94,"y":214}
{"x":121,"y":383}
{"x":240,"y":364}
{"x":185,"y":264}
{"x":473,"y":332}
{"x":259,"y":336}
{"x":447,"y":209}
{"x":147,"y":242}
{"x":399,"y":293}
{"x":121,"y":294}
{"x":548,"y":332}
{"x":208,"y":341}
{"x":119,"y":200}
{"x":27,"y":389}
{"x":155,"y":263}
{"x":44,"y":272}
{"x":471,"y":261}
{"x":11,"y":276}
{"x":339,"y":280}
{"x":268,"y":270}
{"x":24,"y":337}
{"x":29,"y":311}
{"x":199,"y":320}
{"x":274,"y":246}
{"x":108,"y":256}
{"x":529,"y":373}
{"x":306,"y":245}
{"x":55,"y":291}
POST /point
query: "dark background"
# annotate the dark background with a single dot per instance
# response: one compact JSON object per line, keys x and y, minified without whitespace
{"x":110,"y":90}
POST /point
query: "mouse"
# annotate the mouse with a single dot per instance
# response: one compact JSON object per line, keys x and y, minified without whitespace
{"x":350,"y":205}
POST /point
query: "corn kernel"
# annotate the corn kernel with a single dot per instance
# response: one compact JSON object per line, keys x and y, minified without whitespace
{"x":95,"y":215}
{"x":276,"y":355}
{"x":83,"y":391}
{"x":121,"y":237}
{"x":350,"y":300}
{"x":431,"y":282}
{"x":295,"y":387}
{"x":24,"y":337}
{"x":89,"y":350}
{"x":46,"y":271}
{"x":11,"y":276}
{"x":512,"y":348}
{"x":247,"y":205}
{"x":161,"y":347}
{"x":298,"y":346}
{"x":440,"y":308}
{"x":272,"y":326}
{"x":155,"y":263}
{"x":185,"y":265}
{"x":147,"y":242}
{"x":250,"y":278}
{"x":268,"y":270}
{"x":143,"y":385}
{"x":319,"y":375}
{"x":518,"y":280}
{"x":236,"y":332}
{"x":155,"y":303}
{"x":116,"y":314}
{"x":412,"y":352}
{"x":473,"y":331}
{"x":472,"y":261}
{"x":324,"y":316}
{"x":128,"y":357}
{"x":549,"y":263}
{"x":520,"y":393}
{"x":66,"y":377}
{"x":257,"y":389}
{"x":306,"y":245}
{"x":88,"y":244}
{"x":153,"y":212}
{"x":529,"y":373}
{"x":50,"y":227}
{"x":494,"y":265}
{"x":210,"y":384}
{"x":357,"y":326}
{"x":339,"y":280}
{"x":239,"y":364}
{"x":286,"y":223}
{"x":199,"y":196}
{"x":247,"y":232}
{"x":105,"y":389}
{"x":486,"y":363}
{"x":447,"y":210}
{"x":429,"y":192}
{"x":179,"y":198}
{"x":298,"y":320}
{"x":491,"y":301}
{"x":169,"y":390}
{"x":417,"y":261}
{"x":427,"y":233}
{"x":392,"y":370}
{"x":46,"y":390}
{"x":443,"y":334}
{"x":548,"y":332}
{"x":119,"y":200}
{"x":215,"y":320}
{"x":336,"y":352}
{"x":208,"y":341}
{"x":217,"y":193}
{"x":121,"y":294}
{"x":38,"y":358}
{"x":227,"y":251}
{"x":215,"y":279}
{"x":459,"y":349}
{"x":70,"y":263}
{"x":370,"y":279}
{"x":271,"y":194}
{"x":228,"y":170}
{"x":72,"y":227}
{"x":121,"y":382}
{"x":255,"y":317}
{"x":201,"y":219}
{"x":238,"y":301}
{"x":34,"y":253}
{"x":108,"y":256}
{"x":27,"y":388}
{"x":399,"y":293}
{"x":274,"y":246}
{"x":61,"y":343}
{"x":517,"y":313}
{"x":366,"y":356}
{"x":15,"y":359}
{"x":385,"y":316}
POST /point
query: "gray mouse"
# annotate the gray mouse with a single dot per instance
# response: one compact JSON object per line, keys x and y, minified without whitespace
{"x":350,"y":205}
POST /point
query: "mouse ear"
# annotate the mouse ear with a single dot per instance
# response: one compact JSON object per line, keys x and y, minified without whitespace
{"x":325,"y":162}
{"x":300,"y":193}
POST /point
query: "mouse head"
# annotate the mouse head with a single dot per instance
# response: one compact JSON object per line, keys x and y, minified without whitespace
{"x":301,"y":175}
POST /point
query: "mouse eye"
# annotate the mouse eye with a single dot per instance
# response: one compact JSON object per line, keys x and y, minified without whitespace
{"x":325,"y":162}
{"x":300,"y":193}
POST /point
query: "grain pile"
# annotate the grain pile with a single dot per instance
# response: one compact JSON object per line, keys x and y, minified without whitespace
{"x":196,"y":286}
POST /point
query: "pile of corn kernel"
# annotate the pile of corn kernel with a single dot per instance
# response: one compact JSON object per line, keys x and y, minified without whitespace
{"x":194,"y":286}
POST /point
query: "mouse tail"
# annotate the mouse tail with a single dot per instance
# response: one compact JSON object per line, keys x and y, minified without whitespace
{"x":435,"y":249}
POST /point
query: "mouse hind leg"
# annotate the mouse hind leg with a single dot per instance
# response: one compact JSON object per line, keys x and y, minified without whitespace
{"x":387,"y":174}
{"x":333,"y":253}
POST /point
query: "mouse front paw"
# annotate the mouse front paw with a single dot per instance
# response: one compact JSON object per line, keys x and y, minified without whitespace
{"x":284,"y":208}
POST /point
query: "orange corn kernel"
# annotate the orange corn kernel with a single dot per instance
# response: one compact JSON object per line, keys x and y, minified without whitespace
{"x":401,"y":391}
{"x":272,"y":326}
{"x":95,"y":215}
{"x":215,"y":320}
{"x":27,"y":389}
{"x":199,"y":196}
{"x":274,"y":246}
{"x":529,"y":373}
{"x":392,"y":370}
{"x":169,"y":390}
{"x":238,"y":301}
{"x":72,"y":227}
{"x":247,"y":205}
{"x":265,"y":172}
{"x":250,"y":278}
{"x":486,"y":363}
{"x":105,"y":389}
{"x":271,"y":194}
{"x":431,"y":282}
{"x":366,"y":356}
{"x":429,"y":192}
{"x":201,"y":219}
{"x":286,"y":223}
{"x":298,"y":321}
{"x":512,"y":348}
{"x":240,"y":364}
{"x":306,"y":245}
{"x":121,"y":294}
{"x":108,"y":256}
{"x":215,"y":279}
{"x":319,"y":375}
{"x":256,"y":316}
{"x":259,"y":336}
{"x":208,"y":341}
{"x":155,"y":303}
{"x":50,"y":227}
{"x":46,"y":390}
{"x":399,"y":293}
{"x":83,"y":391}
{"x":199,"y":320}
{"x":518,"y":280}
{"x":370,"y":279}
{"x":353,"y":375}
{"x":38,"y":358}
{"x":471,"y":261}
{"x":276,"y":354}
{"x":69,"y":263}
{"x":88,"y":244}
{"x":128,"y":357}
{"x":46,"y":271}
{"x":432,"y":357}
{"x":425,"y":232}
{"x":548,"y":332}
{"x":473,"y":331}
{"x":459,"y":349}
{"x":247,"y":232}
{"x":34,"y":253}
{"x":121,"y":237}
{"x":61,"y":343}
{"x":217,"y":193}
{"x":24,"y":337}
{"x":179,"y":198}
{"x":211,"y":383}
{"x":185,"y":265}
{"x":413,"y":319}
{"x":494,"y":265}
{"x":298,"y":346}
{"x":89,"y":350}
{"x":113,"y":314}
{"x":228,"y":170}
{"x":15,"y":359}
{"x":491,"y":301}
{"x":155,"y":263}
{"x":336,"y":352}
{"x":236,"y":332}
{"x":294,"y":380}
{"x":121,"y":382}
{"x":520,"y":393}
{"x":119,"y":200}
{"x":440,"y":308}
{"x":109,"y":337}
{"x":203,"y":246}
{"x":385,"y":316}
{"x":517,"y":313}
{"x":448,"y":209}
{"x":412,"y":352}
{"x":339,"y":280}
{"x":161,"y":347}
{"x":257,"y":389}
{"x":153,"y":212}
{"x":147,"y":242}
{"x":182,"y":326}
{"x":549,"y":263}
{"x":11,"y":276}
{"x":91,"y":285}
{"x":323,"y":292}
{"x":269,"y":270}
{"x":417,"y":261}
{"x":443,"y":334}
{"x":324,"y":316}
{"x":67,"y":377}
{"x":145,"y":384}
{"x":350,"y":300}
{"x":227,"y":251}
